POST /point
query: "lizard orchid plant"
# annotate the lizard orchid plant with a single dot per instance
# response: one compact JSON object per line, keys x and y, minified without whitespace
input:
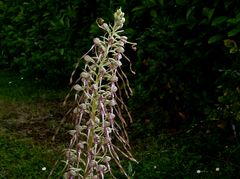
{"x":98,"y":107}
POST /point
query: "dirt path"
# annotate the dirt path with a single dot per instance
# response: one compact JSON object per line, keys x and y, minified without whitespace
{"x":36,"y":120}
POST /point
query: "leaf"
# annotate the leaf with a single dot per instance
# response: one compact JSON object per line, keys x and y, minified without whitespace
{"x":233,"y":50}
{"x":61,"y":51}
{"x":208,"y":12}
{"x":215,"y":38}
{"x":234,"y":31}
{"x":232,"y":21}
{"x":219,"y":20}
{"x":190,"y":42}
{"x":138,"y":11}
{"x":46,"y":14}
{"x":231,"y":44}
{"x":189,"y":12}
{"x":161,"y":2}
{"x":138,"y":8}
{"x":153,"y":13}
{"x":180,"y":2}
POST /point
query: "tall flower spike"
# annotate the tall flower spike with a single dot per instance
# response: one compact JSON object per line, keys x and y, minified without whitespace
{"x":98,"y":108}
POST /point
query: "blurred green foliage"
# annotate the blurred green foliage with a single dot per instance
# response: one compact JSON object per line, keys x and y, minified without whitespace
{"x":187,"y":54}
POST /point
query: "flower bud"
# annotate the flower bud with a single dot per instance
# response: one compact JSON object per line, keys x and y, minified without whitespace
{"x":101,"y":91}
{"x":119,"y":56}
{"x":77,"y":87}
{"x":111,"y":116}
{"x":72,"y":132}
{"x":76,"y":110}
{"x":118,"y":63}
{"x":102,"y":70}
{"x":78,"y":128}
{"x":120,"y":49}
{"x":114,"y":78}
{"x":106,"y":27}
{"x":97,"y":41}
{"x":107,"y":140}
{"x":93,"y":163}
{"x":114,"y":88}
{"x":95,"y":87}
{"x":88,"y":59}
{"x":120,"y":43}
{"x":90,"y":123}
{"x":101,"y":168}
{"x":72,"y":173}
{"x":97,"y":120}
{"x":118,"y":14}
{"x":109,"y":129}
{"x":80,"y":145}
{"x":112,"y":102}
{"x":124,"y":38}
{"x":111,"y":40}
{"x":115,"y":63}
{"x":107,"y":124}
{"x":107,"y":94}
{"x":106,"y":159}
{"x":85,"y":75}
{"x":83,"y":106}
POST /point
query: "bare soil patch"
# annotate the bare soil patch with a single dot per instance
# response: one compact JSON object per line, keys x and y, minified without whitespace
{"x":38,"y":120}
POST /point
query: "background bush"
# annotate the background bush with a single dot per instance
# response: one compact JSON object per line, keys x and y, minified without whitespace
{"x":185,"y":73}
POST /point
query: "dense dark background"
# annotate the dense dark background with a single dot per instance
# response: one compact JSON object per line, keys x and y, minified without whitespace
{"x":187,"y":62}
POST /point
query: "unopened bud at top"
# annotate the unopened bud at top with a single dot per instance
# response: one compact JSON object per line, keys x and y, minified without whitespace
{"x":118,"y":14}
{"x":119,"y":18}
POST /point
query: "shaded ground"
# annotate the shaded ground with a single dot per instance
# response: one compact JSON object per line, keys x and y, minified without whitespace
{"x":28,"y":109}
{"x":29,"y":117}
{"x":37,"y":120}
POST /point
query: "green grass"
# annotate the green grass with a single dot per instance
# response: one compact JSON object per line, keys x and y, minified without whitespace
{"x":186,"y":155}
{"x":21,"y":158}
{"x":30,"y":113}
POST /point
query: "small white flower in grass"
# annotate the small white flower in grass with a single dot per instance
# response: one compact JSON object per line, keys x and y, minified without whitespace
{"x":44,"y":168}
{"x":155,"y":167}
{"x":217,"y":169}
{"x":198,"y":171}
{"x":21,"y":78}
{"x":9,"y":82}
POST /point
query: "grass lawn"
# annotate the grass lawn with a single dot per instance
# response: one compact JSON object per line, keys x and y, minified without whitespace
{"x":22,"y":158}
{"x":29,"y":116}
